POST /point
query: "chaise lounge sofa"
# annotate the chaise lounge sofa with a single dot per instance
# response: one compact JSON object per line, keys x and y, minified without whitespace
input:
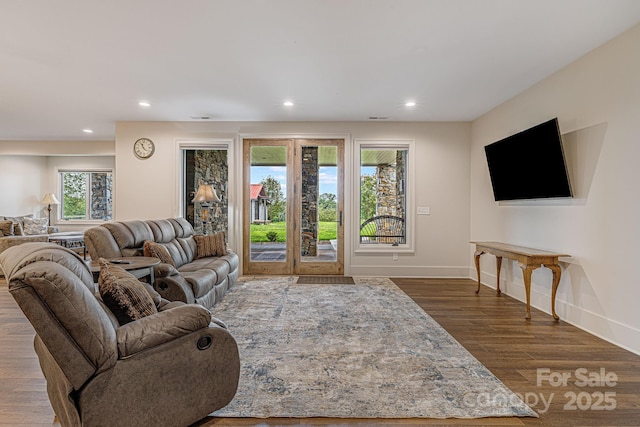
{"x":186,"y":273}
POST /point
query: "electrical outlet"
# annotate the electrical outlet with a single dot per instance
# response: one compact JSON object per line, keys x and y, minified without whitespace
{"x":424,"y":211}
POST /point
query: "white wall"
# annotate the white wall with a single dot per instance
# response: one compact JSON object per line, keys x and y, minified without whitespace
{"x":22,"y":182}
{"x":148,"y":188}
{"x":597,"y":102}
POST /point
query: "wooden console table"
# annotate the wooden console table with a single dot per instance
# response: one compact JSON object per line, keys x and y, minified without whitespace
{"x":528,"y":259}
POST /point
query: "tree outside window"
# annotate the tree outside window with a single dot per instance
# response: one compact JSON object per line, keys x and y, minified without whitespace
{"x":278,"y":207}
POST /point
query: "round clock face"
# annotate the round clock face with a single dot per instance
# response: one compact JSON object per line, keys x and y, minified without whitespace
{"x":143,"y":148}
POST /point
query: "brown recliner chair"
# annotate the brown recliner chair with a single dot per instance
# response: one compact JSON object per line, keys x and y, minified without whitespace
{"x":171,"y":368}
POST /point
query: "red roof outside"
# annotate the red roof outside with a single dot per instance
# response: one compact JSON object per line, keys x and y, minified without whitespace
{"x":257,"y":191}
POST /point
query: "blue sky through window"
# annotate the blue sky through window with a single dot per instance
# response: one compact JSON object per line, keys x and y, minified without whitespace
{"x":328,"y":176}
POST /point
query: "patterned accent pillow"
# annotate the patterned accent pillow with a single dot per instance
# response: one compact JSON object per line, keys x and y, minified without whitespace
{"x":210,"y":245}
{"x":156,"y":250}
{"x":125,"y":296}
{"x":32,"y":226}
{"x":17,"y":223}
{"x":6,"y":228}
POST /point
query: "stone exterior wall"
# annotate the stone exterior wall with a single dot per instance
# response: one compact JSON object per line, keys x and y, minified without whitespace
{"x":401,"y":191}
{"x":309,"y":204}
{"x":390,"y":186}
{"x":211,"y":167}
{"x":101,"y":185}
{"x":386,"y":189}
{"x":391,"y":189}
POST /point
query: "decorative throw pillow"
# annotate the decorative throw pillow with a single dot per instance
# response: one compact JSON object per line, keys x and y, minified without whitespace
{"x":156,"y":250}
{"x":6,"y":228}
{"x":210,"y":245}
{"x":125,"y":296}
{"x":32,"y":226}
{"x":17,"y":223}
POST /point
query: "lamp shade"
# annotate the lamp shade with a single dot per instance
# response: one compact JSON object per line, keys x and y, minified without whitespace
{"x":205,"y":194}
{"x":50,"y":199}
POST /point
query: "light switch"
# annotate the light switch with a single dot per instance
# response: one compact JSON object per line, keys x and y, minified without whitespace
{"x":424,"y":211}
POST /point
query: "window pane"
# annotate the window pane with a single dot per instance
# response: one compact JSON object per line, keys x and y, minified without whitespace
{"x":101,"y":183}
{"x":206,"y":167}
{"x":86,"y":195}
{"x":268,"y":203}
{"x":74,"y":195}
{"x":383,"y":196}
{"x":319,"y":203}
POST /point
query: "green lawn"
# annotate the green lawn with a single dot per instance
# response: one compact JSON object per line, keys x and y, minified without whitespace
{"x":259,"y":231}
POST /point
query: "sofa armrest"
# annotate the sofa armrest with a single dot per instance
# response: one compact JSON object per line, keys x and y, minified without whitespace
{"x":174,"y":288}
{"x":160,"y":328}
{"x":164,"y":270}
{"x":100,"y":243}
{"x":165,"y":304}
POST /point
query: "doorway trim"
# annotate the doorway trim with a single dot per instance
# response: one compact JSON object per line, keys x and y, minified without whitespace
{"x":234,"y":225}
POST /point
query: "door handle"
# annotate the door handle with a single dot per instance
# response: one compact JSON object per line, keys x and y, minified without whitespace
{"x":340,"y":219}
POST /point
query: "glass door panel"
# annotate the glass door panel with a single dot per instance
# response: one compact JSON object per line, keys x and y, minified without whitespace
{"x":293,"y":207}
{"x":266,"y":206}
{"x":319,"y":206}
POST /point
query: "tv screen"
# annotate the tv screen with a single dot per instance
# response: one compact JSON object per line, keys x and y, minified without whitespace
{"x":529,"y":164}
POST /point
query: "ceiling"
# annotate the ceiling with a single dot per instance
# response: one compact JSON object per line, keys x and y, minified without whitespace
{"x":68,"y":65}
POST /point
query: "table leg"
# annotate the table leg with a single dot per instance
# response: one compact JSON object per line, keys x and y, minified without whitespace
{"x":555,"y":268}
{"x":477,"y":259}
{"x":498,"y":267}
{"x":152,"y":278}
{"x":526,"y":275}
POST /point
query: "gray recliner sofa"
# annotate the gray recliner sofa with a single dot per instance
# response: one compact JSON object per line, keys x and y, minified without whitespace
{"x":170,"y":368}
{"x":193,"y":280}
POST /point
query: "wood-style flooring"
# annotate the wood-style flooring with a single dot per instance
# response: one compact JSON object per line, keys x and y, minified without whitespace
{"x":524,"y":355}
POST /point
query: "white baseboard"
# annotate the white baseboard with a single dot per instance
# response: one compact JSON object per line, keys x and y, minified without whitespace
{"x":615,"y":332}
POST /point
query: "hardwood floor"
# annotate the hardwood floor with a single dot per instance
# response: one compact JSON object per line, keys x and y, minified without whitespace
{"x":492,"y":328}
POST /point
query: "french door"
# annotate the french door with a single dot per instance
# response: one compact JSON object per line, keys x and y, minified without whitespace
{"x":293,"y":206}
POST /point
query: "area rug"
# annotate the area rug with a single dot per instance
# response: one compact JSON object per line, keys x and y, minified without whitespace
{"x":364,"y":350}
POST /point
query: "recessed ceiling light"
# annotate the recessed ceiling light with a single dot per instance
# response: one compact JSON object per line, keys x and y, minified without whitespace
{"x":410,"y":104}
{"x":144,"y":104}
{"x":288,"y":103}
{"x":87,"y":130}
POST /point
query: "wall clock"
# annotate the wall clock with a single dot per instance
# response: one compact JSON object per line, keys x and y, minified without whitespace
{"x":143,"y":148}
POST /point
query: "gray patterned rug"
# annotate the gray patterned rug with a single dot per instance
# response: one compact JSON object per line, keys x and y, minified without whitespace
{"x":365,"y":350}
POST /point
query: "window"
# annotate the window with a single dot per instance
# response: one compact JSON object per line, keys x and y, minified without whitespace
{"x":208,"y":165}
{"x":383,"y":221}
{"x":86,"y":195}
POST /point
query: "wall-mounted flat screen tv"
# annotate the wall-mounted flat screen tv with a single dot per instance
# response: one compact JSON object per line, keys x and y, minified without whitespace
{"x":529,"y":164}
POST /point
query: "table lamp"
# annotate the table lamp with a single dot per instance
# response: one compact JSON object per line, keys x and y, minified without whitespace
{"x":205,"y":195}
{"x":50,"y":199}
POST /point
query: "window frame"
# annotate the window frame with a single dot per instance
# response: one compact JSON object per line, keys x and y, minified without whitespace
{"x":59,"y":215}
{"x":378,"y":248}
{"x":228,"y":144}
